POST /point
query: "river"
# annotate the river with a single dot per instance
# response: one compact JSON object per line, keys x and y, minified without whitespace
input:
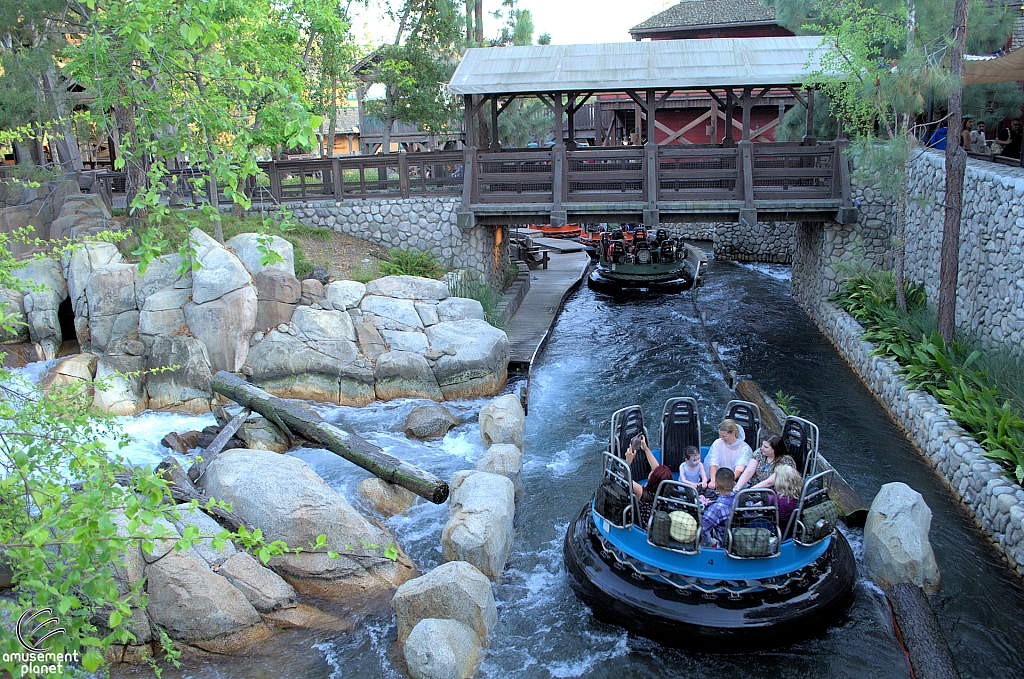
{"x":603,"y":354}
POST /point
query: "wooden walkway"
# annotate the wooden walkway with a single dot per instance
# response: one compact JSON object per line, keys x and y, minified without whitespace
{"x":531,"y":324}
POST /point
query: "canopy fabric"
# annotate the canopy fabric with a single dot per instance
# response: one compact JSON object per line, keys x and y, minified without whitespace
{"x":658,"y":64}
{"x":988,"y":70}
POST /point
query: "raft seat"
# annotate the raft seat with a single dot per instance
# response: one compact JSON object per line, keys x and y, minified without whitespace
{"x":801,"y":439}
{"x":816,"y":517}
{"x":614,"y":500}
{"x":748,"y":416}
{"x":680,"y":428}
{"x":676,"y":516}
{"x":752,"y":531}
{"x":627,"y":423}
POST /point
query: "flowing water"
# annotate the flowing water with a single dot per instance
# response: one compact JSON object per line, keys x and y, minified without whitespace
{"x":606,"y":353}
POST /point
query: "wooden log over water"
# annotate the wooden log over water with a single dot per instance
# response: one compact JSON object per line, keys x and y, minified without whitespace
{"x":217,"y":445}
{"x":183,"y":490}
{"x":293,"y":418}
{"x":851,"y":506}
{"x":920,"y":634}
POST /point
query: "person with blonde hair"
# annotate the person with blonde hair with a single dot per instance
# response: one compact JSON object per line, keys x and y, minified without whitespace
{"x":728,"y":451}
{"x":788,"y":486}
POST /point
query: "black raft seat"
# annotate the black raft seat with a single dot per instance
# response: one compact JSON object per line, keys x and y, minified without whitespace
{"x":680,"y":428}
{"x":628,"y":423}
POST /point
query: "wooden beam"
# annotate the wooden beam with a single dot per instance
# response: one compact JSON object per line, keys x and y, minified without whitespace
{"x":673,"y":135}
{"x":796,"y":95}
{"x":767,"y":127}
{"x":501,"y":109}
{"x":637,"y":98}
{"x":494,"y":123}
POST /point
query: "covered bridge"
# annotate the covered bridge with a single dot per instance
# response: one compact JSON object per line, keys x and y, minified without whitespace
{"x":735,"y":180}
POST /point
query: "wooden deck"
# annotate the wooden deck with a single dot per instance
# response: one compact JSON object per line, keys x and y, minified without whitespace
{"x":549,"y":288}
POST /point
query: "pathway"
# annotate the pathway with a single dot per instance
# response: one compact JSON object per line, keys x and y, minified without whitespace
{"x":549,"y":289}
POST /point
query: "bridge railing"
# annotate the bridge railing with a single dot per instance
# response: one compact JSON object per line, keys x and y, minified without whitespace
{"x":550,"y":175}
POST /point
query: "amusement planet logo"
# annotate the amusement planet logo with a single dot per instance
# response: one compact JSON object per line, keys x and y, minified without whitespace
{"x":36,"y":659}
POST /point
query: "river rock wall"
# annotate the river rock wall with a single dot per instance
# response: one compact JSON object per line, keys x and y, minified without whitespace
{"x":424,"y":224}
{"x":990,"y":291}
{"x":996,"y":503}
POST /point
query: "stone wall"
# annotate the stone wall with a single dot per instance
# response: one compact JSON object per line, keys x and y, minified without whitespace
{"x":996,"y":502}
{"x":760,"y":242}
{"x":990,"y":292}
{"x":424,"y":224}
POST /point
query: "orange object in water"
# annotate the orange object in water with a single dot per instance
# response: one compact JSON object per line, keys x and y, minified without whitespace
{"x":567,"y":231}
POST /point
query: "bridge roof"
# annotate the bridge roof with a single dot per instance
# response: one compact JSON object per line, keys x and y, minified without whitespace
{"x":658,"y":64}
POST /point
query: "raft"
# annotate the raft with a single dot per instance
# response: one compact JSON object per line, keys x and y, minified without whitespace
{"x":792,"y":583}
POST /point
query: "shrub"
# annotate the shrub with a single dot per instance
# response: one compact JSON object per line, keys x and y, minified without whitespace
{"x":982,"y":389}
{"x":460,"y":285}
{"x":410,"y":263}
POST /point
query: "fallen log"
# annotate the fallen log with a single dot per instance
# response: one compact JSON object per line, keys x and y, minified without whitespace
{"x":920,"y":634}
{"x":852,"y":507}
{"x":199,"y":468}
{"x":292,"y":417}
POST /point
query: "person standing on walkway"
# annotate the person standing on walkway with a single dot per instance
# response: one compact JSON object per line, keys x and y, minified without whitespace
{"x":1011,"y":140}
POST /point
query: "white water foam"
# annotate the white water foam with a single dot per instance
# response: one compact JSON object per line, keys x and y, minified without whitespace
{"x":567,"y":461}
{"x":780,"y":272}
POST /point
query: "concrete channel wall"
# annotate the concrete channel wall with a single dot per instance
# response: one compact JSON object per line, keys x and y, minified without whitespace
{"x":424,"y":224}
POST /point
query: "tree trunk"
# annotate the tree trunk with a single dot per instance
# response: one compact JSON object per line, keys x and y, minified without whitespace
{"x":389,"y":121}
{"x":900,"y":251}
{"x":218,"y":228}
{"x":67,"y":144}
{"x":479,"y":28}
{"x":469,"y":21}
{"x":956,"y":163}
{"x":136,"y":162}
{"x":289,"y":415}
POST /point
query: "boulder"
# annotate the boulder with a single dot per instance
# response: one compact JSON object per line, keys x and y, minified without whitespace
{"x":301,"y":616}
{"x":20,"y":355}
{"x":203,"y":548}
{"x":480,"y":528}
{"x":408,"y":287}
{"x":344,"y":295}
{"x":162,"y":313}
{"x":225,"y":325}
{"x":41,"y":305}
{"x":319,"y":325}
{"x":111,"y":334}
{"x":187,"y":386}
{"x":161,"y":275}
{"x":896,"y":545}
{"x":286,"y":367}
{"x":460,"y":309}
{"x":479,"y":366}
{"x":404,"y":374}
{"x":454,"y":590}
{"x":428,"y":313}
{"x":196,"y":606}
{"x":262,"y":587}
{"x":259,"y":433}
{"x":428,"y":422}
{"x":110,"y":293}
{"x":278,"y":294}
{"x":123,"y":391}
{"x":387,"y":498}
{"x":11,"y":305}
{"x":284,"y":498}
{"x":78,"y":265}
{"x":398,"y":340}
{"x":502,"y":420}
{"x":371,"y":344}
{"x":441,"y":649}
{"x":221,"y":273}
{"x":312,"y":291}
{"x":69,"y":370}
{"x":504,"y":459}
{"x":247,"y":249}
{"x":388,"y":313}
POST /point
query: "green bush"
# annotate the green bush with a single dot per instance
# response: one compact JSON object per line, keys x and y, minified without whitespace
{"x":982,"y":389}
{"x":489,"y":298}
{"x":410,"y":263}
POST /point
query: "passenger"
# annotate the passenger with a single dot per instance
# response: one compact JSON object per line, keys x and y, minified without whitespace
{"x":693,"y":469}
{"x":716,"y":515}
{"x":788,"y":485}
{"x":659,"y":473}
{"x":728,"y":451}
{"x":761,"y":472}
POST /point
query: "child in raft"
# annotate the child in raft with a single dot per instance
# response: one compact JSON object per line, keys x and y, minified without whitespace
{"x":693,"y":469}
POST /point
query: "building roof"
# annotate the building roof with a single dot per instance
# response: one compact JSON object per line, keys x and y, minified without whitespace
{"x":656,"y":64}
{"x":986,"y":70}
{"x":692,"y":13}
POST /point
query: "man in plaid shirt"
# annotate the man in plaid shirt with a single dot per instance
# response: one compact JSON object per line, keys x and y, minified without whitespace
{"x":717,"y":515}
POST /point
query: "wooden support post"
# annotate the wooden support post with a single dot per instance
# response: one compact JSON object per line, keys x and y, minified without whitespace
{"x":598,"y":123}
{"x":339,"y":180}
{"x":403,"y":174}
{"x":746,"y":104}
{"x":275,"y":181}
{"x":494,"y":123}
{"x":558,"y":184}
{"x":714,"y":121}
{"x":570,"y":121}
{"x":289,"y":415}
{"x":747,"y":172}
{"x":651,"y":163}
{"x":730,"y":107}
{"x":809,"y":139}
{"x":469,"y":185}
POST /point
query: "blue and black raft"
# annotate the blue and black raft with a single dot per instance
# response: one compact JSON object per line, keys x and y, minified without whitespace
{"x":767,"y":586}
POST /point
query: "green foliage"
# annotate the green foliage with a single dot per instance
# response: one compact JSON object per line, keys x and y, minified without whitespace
{"x":410,"y":263}
{"x":785,"y":403}
{"x":461,"y":285}
{"x":980,"y":389}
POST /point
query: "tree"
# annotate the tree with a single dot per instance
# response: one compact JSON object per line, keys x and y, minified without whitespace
{"x":415,"y":66}
{"x":956,"y":162}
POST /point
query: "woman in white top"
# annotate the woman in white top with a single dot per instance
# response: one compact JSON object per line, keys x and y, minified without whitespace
{"x":728,"y":450}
